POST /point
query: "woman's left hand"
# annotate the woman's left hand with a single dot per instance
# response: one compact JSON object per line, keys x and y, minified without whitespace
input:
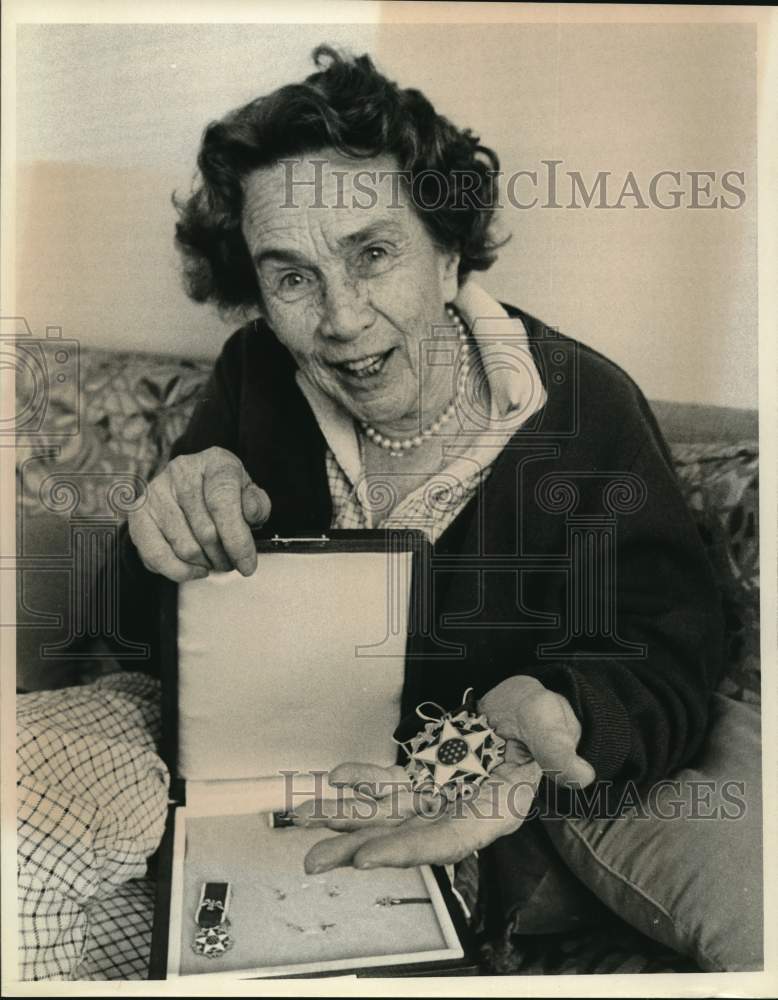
{"x":388,"y":824}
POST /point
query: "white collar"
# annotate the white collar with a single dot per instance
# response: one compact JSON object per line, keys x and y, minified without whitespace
{"x":515,"y":386}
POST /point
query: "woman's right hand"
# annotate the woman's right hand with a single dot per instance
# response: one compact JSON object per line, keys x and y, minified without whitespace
{"x":198,"y":516}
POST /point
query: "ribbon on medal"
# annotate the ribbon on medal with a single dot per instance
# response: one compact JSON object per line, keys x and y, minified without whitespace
{"x":454,"y":752}
{"x":212,"y":939}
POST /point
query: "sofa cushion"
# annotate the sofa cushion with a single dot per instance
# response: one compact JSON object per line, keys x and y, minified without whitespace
{"x":128,"y":409}
{"x":683,"y":864}
{"x":721,"y":484}
{"x":99,"y":447}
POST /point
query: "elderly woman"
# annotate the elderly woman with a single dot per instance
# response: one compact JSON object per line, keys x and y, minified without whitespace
{"x":379,"y":386}
{"x":351,"y":216}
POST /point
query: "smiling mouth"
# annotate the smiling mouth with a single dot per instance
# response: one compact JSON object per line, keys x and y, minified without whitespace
{"x":363,"y":368}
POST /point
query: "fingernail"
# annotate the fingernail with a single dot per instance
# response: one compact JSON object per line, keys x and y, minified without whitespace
{"x":314,"y":822}
{"x":263,"y":505}
{"x":255,"y":507}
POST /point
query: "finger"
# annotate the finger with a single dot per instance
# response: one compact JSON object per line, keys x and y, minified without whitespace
{"x":188,"y":489}
{"x":337,"y":852}
{"x":369,"y":779}
{"x":501,"y":704}
{"x":552,"y":732}
{"x":509,"y":792}
{"x":256,"y":505}
{"x":171,"y":520}
{"x":499,"y":807}
{"x":352,"y":813}
{"x":207,"y":535}
{"x":522,"y":709}
{"x":156,"y":554}
{"x":223,"y":483}
{"x":517,"y":754}
{"x":421,"y":841}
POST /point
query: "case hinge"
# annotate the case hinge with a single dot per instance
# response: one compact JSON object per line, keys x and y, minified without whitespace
{"x":300,"y":540}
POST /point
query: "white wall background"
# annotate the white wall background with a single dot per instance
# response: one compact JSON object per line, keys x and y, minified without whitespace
{"x":109,"y":119}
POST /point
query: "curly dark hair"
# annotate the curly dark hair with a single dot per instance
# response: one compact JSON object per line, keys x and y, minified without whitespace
{"x":351,"y":107}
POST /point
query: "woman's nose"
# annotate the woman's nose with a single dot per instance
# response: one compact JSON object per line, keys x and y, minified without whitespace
{"x":347,"y":310}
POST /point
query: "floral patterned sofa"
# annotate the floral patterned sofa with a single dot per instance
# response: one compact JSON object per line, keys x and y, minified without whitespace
{"x":82,"y":472}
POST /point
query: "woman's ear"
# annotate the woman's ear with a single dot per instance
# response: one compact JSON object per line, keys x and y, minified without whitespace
{"x":450,"y":276}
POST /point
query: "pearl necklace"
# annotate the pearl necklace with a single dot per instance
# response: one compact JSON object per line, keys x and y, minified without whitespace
{"x":397,"y":447}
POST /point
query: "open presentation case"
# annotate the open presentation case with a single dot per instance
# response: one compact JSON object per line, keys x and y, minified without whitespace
{"x":268,"y":682}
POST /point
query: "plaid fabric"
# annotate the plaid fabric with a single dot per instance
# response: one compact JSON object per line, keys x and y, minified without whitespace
{"x":91,"y":807}
{"x":347,"y":512}
{"x":120,"y":934}
{"x":430,"y":509}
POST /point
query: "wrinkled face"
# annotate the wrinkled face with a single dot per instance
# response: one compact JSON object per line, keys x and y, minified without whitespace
{"x":351,"y":291}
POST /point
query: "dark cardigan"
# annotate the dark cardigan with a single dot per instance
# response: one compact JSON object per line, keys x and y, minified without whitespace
{"x":508,"y":577}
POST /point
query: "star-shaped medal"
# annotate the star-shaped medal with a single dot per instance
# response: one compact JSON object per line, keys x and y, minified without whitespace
{"x":212,"y":942}
{"x":453,"y":755}
{"x":213,"y":928}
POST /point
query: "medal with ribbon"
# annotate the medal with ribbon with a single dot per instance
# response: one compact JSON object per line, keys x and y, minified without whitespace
{"x":212,"y":939}
{"x":454,"y":752}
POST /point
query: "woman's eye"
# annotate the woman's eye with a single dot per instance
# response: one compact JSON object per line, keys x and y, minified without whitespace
{"x":291,"y":285}
{"x":291,"y":280}
{"x":376,"y":258}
